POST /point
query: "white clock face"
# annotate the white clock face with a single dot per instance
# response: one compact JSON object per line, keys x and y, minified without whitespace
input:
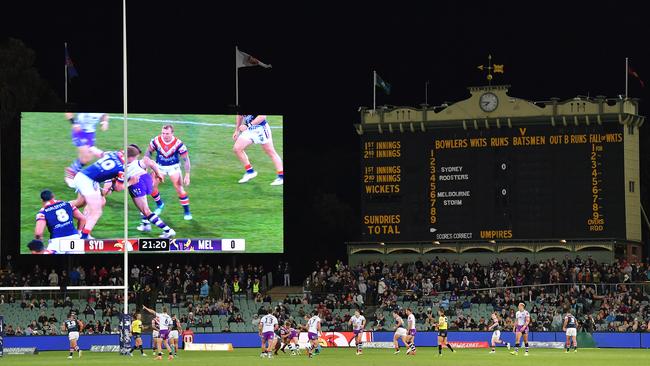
{"x":489,"y":102}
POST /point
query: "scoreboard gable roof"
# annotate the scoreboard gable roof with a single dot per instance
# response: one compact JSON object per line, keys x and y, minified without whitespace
{"x":468,"y":113}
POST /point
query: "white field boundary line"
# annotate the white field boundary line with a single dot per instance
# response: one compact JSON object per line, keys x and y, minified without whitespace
{"x":182,"y":122}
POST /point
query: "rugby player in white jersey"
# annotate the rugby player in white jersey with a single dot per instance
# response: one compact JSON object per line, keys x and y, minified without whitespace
{"x":267,"y":326}
{"x":358,"y":323}
{"x":313,"y":333}
{"x":522,"y":321}
{"x":254,"y":129}
{"x":164,"y":322}
{"x":141,"y":185}
{"x":84,"y":126}
{"x":411,"y":329}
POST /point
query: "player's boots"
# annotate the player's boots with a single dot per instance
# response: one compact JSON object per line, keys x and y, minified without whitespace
{"x":278,"y":181}
{"x":168,"y":234}
{"x":144,"y":227}
{"x":248,"y":176}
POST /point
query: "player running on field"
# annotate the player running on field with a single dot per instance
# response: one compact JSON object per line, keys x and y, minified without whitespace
{"x":411,"y":329}
{"x":136,"y":330}
{"x":267,"y":326}
{"x":84,"y":126}
{"x":522,"y":321}
{"x":109,"y":167}
{"x":169,"y":151}
{"x":140,"y":185}
{"x":400,"y":332}
{"x":495,"y":327}
{"x":442,"y":331}
{"x":58,"y":217}
{"x":358,"y":323}
{"x":294,"y":347}
{"x":164,"y":322}
{"x":73,"y":327}
{"x":251,"y":129}
{"x":570,"y":326}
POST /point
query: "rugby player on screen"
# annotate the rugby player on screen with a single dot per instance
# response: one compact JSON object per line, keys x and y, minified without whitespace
{"x":110,"y":167}
{"x":84,"y":126}
{"x":250,"y":129}
{"x":58,"y":217}
{"x":169,"y":151}
{"x":73,"y":327}
{"x":140,"y":185}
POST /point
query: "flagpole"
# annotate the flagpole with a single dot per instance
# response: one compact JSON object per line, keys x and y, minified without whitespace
{"x":126,"y":181}
{"x":65,"y":73}
{"x":236,"y":82}
{"x":374,"y":90}
{"x":627,"y":70}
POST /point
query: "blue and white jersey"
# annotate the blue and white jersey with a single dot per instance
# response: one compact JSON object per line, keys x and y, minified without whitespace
{"x":167,"y":153}
{"x":109,"y":166}
{"x":248,"y":120}
{"x":59,"y":218}
{"x":571,"y":321}
{"x":88,"y":121}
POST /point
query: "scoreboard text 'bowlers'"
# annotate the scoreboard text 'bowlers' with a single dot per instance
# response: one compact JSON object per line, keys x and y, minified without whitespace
{"x":528,"y":182}
{"x":156,"y":245}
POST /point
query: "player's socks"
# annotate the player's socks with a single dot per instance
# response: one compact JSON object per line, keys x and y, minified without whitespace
{"x":154,"y":219}
{"x":249,"y":169}
{"x":85,"y":233}
{"x":526,"y":344}
{"x":141,"y":349}
{"x":450,"y":347}
{"x":185,"y":202}
{"x":439,"y":349}
{"x":156,"y":197}
{"x":76,"y":166}
{"x":281,"y":174}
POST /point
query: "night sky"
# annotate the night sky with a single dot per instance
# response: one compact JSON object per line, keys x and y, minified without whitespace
{"x":181,"y":61}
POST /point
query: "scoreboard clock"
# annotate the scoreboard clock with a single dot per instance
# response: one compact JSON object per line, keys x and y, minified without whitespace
{"x":153,"y":245}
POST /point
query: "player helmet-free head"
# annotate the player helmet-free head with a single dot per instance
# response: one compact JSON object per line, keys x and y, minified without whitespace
{"x":132,"y":151}
{"x":46,"y":195}
{"x":521,"y":306}
{"x":269,"y":310}
{"x":314,"y":313}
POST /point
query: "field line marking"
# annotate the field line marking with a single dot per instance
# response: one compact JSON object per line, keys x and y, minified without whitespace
{"x":181,"y":122}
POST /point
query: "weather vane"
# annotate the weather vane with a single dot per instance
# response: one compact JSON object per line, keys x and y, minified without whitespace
{"x":491,"y":69}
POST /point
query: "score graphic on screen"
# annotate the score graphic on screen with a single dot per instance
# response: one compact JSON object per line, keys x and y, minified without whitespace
{"x":532,"y":182}
{"x":197,"y":183}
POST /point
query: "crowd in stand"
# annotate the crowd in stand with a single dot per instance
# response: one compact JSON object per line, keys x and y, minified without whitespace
{"x":593,"y":294}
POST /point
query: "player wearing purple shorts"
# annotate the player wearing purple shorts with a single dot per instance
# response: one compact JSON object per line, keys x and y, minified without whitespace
{"x":267,"y":327}
{"x":522,"y":320}
{"x":313,"y":330}
{"x":140,"y":185}
{"x":84,"y":126}
{"x":294,"y":347}
{"x":164,"y":322}
{"x":410,"y":327}
{"x":358,"y":323}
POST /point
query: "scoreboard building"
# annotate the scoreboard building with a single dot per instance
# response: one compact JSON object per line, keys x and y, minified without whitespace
{"x":499,"y":174}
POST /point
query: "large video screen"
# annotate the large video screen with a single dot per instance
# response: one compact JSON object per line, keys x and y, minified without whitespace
{"x":196,"y":183}
{"x":520,"y":183}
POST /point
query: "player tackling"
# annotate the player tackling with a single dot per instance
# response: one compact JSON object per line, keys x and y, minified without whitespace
{"x":169,"y":151}
{"x":250,"y":129}
{"x":58,"y":217}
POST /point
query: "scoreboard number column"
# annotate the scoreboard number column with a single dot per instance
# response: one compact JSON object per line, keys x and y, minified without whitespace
{"x":71,"y":246}
{"x":233,"y":245}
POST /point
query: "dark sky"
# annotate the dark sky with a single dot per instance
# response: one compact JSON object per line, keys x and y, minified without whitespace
{"x":181,"y":61}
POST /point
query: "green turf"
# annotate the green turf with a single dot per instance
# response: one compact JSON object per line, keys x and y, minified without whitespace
{"x":347,"y":357}
{"x":221,"y":207}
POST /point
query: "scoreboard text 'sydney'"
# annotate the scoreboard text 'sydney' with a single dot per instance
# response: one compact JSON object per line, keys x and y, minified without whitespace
{"x":154,"y":245}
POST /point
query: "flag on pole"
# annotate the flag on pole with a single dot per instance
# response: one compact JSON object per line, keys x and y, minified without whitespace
{"x":379,"y":82}
{"x":72,"y":72}
{"x":244,"y":60}
{"x":633,"y":72}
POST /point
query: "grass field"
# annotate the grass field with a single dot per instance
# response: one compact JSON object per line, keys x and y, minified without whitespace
{"x":221,"y":207}
{"x":346,"y":357}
